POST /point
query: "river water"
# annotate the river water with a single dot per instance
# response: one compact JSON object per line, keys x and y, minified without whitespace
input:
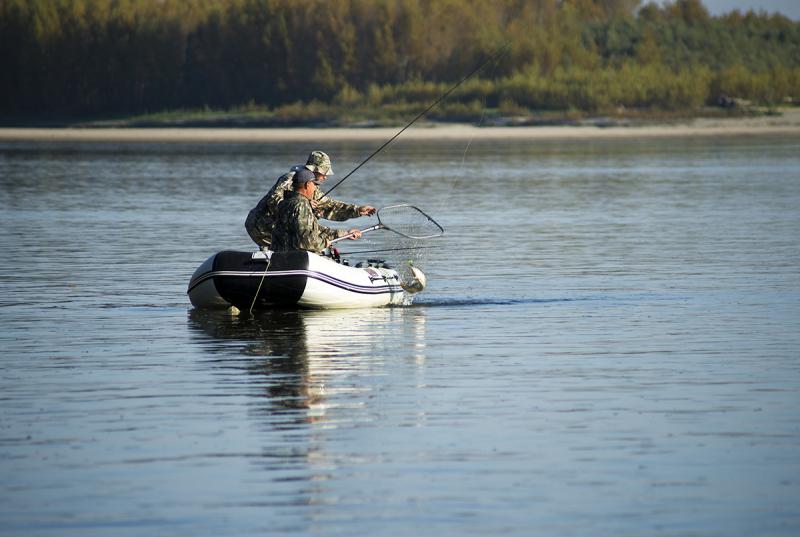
{"x":609,"y":345}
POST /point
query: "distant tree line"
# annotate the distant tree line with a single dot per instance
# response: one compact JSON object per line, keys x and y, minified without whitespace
{"x":123,"y":57}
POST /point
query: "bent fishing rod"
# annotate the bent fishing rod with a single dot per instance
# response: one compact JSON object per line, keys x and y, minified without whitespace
{"x":437,"y":101}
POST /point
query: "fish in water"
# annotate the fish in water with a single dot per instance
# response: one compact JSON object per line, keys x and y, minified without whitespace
{"x":417,"y":283}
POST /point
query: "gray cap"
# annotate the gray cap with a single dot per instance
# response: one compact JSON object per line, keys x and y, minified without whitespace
{"x":302,"y":177}
{"x":319,"y":162}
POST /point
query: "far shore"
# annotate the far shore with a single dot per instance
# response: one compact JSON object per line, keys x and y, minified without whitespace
{"x":788,"y":123}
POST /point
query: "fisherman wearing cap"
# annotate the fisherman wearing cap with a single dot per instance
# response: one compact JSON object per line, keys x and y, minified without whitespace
{"x":261,"y":219}
{"x":296,"y":226}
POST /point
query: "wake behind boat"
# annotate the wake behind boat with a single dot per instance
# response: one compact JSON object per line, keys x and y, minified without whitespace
{"x":267,"y":280}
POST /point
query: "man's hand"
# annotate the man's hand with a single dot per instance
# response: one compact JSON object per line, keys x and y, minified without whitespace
{"x":354,"y":234}
{"x":366,"y":210}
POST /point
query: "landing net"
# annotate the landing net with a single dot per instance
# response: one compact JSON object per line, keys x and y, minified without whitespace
{"x":409,"y":221}
{"x":403,"y":243}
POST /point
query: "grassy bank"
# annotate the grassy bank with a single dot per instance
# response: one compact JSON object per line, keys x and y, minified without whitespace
{"x":320,"y":115}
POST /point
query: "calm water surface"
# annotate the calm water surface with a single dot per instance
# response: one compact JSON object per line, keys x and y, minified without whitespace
{"x":609,"y":345}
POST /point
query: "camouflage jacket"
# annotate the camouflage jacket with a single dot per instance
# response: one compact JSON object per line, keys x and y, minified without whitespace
{"x":261,"y":219}
{"x":297,"y":228}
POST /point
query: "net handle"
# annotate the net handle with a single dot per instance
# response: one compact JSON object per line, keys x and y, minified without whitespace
{"x":381,"y":225}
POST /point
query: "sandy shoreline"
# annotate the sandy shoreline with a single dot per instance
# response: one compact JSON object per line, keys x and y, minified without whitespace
{"x":786,"y":124}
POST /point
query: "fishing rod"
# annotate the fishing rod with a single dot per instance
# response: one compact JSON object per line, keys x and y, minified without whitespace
{"x":381,"y":250}
{"x":437,"y":101}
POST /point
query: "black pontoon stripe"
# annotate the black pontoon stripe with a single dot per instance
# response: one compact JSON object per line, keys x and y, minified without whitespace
{"x":364,"y":289}
{"x":321,"y":276}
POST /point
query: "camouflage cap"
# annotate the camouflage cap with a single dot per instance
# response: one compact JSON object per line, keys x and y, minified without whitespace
{"x":319,"y":162}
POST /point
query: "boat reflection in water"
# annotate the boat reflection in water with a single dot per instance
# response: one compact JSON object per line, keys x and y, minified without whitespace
{"x":308,"y":362}
{"x":314,"y":385}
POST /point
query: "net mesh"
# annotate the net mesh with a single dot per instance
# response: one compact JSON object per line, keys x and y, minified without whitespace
{"x":410,"y":221}
{"x":397,"y":251}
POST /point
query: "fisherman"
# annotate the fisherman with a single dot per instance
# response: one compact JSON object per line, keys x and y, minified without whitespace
{"x":296,"y":227}
{"x":261,"y":219}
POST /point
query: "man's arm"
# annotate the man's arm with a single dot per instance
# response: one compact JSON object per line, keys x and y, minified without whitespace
{"x":331,"y":209}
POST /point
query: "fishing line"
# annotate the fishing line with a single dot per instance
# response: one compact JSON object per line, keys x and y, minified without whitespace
{"x":457,"y":177}
{"x":269,"y":260}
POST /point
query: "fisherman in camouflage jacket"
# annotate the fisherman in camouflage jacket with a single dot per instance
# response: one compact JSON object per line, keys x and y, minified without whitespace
{"x":261,"y":219}
{"x":296,"y":226}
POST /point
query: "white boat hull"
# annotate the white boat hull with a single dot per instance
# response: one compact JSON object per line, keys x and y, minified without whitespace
{"x":292,"y":279}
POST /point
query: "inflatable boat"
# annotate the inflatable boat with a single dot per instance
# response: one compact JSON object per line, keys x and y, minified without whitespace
{"x":270,"y":280}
